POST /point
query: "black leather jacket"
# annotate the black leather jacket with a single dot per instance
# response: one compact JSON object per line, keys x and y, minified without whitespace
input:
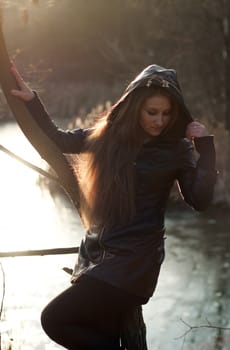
{"x":130,"y":257}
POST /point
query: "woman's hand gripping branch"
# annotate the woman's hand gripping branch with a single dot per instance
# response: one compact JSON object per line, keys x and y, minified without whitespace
{"x":23,"y":92}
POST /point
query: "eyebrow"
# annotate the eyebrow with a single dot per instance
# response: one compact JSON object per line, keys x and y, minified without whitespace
{"x":154,"y":108}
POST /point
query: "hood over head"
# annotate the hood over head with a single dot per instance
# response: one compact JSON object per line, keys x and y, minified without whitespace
{"x":155,"y":75}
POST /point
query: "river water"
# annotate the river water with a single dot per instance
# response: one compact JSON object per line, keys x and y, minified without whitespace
{"x":193,"y":285}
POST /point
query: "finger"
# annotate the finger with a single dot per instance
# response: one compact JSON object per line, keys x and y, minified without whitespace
{"x":17,"y":76}
{"x":23,"y":95}
{"x":195,"y":124}
{"x":196,"y":127}
{"x":17,"y":93}
{"x":12,"y":63}
{"x":16,"y":73}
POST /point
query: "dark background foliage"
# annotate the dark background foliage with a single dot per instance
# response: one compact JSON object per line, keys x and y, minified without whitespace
{"x":110,"y":41}
{"x":82,"y":53}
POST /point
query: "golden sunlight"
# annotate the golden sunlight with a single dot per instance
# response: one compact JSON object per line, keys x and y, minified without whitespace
{"x":22,"y":205}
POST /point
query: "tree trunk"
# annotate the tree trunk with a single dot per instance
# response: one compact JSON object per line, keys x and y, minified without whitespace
{"x":226,"y":58}
{"x":48,"y":150}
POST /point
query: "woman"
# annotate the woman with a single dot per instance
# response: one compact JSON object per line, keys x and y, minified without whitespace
{"x":126,"y":166}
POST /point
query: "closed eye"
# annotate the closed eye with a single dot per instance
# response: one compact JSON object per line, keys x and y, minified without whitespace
{"x":152,"y":112}
{"x":167,"y":112}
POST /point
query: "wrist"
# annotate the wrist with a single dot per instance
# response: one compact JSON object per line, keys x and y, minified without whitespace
{"x":206,"y":148}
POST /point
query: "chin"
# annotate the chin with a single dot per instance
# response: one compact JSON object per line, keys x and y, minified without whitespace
{"x":155,"y":133}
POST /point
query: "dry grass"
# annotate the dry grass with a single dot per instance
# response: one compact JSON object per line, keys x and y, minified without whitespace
{"x":67,"y":101}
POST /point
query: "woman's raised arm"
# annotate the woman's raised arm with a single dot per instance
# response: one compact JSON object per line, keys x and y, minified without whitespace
{"x":67,"y":141}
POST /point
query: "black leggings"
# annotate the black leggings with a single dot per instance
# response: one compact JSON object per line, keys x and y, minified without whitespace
{"x":87,"y":315}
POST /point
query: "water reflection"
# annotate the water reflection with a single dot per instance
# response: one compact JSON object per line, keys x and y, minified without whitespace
{"x":29,"y":219}
{"x":193,"y":285}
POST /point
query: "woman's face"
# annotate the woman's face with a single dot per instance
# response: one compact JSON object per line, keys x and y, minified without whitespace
{"x":155,"y":114}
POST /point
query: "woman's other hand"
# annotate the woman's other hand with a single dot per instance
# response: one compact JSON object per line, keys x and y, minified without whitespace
{"x":23,"y":92}
{"x":196,"y":129}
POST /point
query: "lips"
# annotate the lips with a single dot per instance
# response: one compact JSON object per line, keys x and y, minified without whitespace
{"x":154,"y":129}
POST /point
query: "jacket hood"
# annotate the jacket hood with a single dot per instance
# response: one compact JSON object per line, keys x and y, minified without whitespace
{"x":155,"y":75}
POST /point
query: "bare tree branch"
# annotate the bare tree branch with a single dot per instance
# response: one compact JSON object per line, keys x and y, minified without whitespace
{"x":191,"y":328}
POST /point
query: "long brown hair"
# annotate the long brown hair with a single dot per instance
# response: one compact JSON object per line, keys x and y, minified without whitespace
{"x":105,"y":170}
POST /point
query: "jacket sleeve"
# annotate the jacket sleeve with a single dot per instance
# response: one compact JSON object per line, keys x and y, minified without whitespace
{"x":196,"y":179}
{"x":69,"y":141}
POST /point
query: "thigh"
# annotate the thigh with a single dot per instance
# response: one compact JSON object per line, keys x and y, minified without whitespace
{"x":90,"y":303}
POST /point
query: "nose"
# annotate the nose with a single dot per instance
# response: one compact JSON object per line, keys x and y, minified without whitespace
{"x":159,"y":120}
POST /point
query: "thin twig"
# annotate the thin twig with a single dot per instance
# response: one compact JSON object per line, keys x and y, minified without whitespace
{"x":191,"y":328}
{"x":3,"y":290}
{"x":41,"y":252}
{"x":28,"y":164}
{"x":3,"y":297}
